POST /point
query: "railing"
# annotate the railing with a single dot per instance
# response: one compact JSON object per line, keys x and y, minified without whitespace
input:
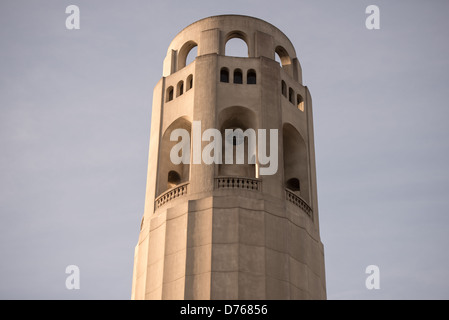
{"x":237,"y":183}
{"x":232,"y":183}
{"x":298,"y":201}
{"x":171,"y":194}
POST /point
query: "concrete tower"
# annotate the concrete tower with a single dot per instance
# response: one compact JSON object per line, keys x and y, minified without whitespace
{"x":224,"y":231}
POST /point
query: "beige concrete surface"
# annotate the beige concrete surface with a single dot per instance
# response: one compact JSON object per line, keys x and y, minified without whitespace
{"x":204,"y":238}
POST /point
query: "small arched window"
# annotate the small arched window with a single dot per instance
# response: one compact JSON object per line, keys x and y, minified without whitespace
{"x":251,"y":77}
{"x":224,"y":75}
{"x":291,"y":95}
{"x":292,"y":184}
{"x":173,"y":179}
{"x":300,"y":102}
{"x":189,"y":82}
{"x":180,"y":88}
{"x":238,"y":77}
{"x":169,"y":94}
{"x":284,"y":88}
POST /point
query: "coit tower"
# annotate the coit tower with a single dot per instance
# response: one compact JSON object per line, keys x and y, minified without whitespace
{"x":225,"y":230}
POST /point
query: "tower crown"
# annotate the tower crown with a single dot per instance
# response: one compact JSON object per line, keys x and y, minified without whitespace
{"x":211,"y":34}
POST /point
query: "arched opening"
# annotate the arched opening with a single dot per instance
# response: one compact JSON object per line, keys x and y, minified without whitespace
{"x":240,"y":139}
{"x":293,"y":184}
{"x":238,"y":76}
{"x":300,"y":102}
{"x":284,"y":59}
{"x":172,"y":173}
{"x":296,"y":172}
{"x":283,"y":88}
{"x":236,"y":45}
{"x":173,"y":179}
{"x":224,"y":75}
{"x":180,"y":88}
{"x":191,"y":56}
{"x":251,"y":77}
{"x":169,"y":94}
{"x":189,"y":82}
{"x":283,"y":56}
{"x":187,"y":54}
{"x":291,"y":95}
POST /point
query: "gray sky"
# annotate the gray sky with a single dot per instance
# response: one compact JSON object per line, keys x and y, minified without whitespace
{"x":75,"y":108}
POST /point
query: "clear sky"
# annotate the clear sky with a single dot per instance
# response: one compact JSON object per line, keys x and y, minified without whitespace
{"x":75,"y":110}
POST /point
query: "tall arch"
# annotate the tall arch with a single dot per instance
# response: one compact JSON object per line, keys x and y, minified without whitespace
{"x":238,"y":47}
{"x":238,"y":118}
{"x":169,"y":173}
{"x":296,"y":165}
{"x":286,"y":60}
{"x":184,"y":52}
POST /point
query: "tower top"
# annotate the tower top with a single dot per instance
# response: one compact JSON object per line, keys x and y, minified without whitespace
{"x":231,"y":209}
{"x":235,"y":18}
{"x":211,"y":34}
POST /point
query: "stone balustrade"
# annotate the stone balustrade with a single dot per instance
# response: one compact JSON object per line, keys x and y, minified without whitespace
{"x":238,"y":183}
{"x":171,"y":194}
{"x":298,"y":201}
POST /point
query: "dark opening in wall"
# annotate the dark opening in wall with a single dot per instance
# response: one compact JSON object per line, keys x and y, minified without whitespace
{"x":251,"y":77}
{"x":173,"y":179}
{"x":169,"y":94}
{"x":224,"y":75}
{"x":238,"y":77}
{"x":292,"y":184}
{"x":189,"y":82}
{"x":180,"y":88}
